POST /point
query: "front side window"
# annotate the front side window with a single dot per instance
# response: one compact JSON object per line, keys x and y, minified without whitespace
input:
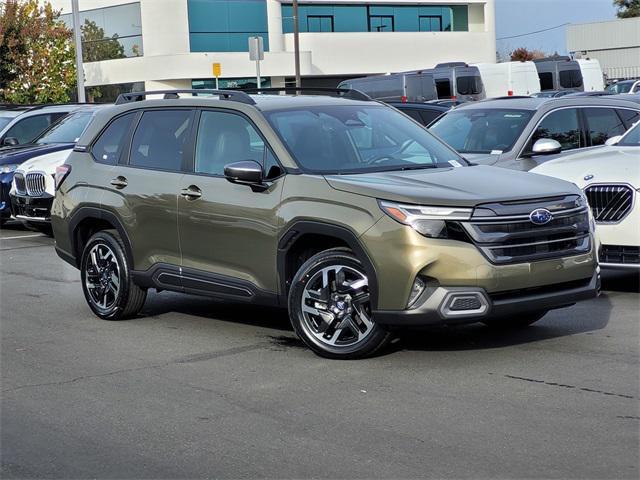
{"x":482,"y":130}
{"x":632,"y":138}
{"x":354,"y":139}
{"x":67,"y":130}
{"x":622,"y":87}
{"x":27,"y":129}
{"x":225,"y":138}
{"x":562,"y":126}
{"x":603,"y":123}
{"x":109,"y":145}
{"x":160,"y":139}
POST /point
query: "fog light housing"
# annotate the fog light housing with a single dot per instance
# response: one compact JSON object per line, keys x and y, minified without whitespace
{"x":416,"y":290}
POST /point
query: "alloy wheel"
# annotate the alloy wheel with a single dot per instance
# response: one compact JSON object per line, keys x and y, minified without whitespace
{"x":102,"y":277}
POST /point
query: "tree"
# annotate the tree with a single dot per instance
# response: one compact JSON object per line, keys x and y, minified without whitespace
{"x":627,"y":8}
{"x":36,"y":54}
{"x":523,"y":55}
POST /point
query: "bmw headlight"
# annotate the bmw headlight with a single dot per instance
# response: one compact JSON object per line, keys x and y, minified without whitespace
{"x":9,"y":167}
{"x":428,"y":221}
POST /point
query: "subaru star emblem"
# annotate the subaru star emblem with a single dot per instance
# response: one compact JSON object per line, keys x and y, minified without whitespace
{"x":588,"y":177}
{"x":540,"y":216}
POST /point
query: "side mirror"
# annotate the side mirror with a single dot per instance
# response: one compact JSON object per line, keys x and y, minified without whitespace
{"x":247,"y":172}
{"x":546,"y":146}
{"x":10,"y":142}
{"x":613,"y":140}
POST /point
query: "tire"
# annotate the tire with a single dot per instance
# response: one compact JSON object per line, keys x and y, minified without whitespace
{"x":335,"y":321}
{"x":110,"y":297}
{"x":40,"y":227}
{"x":515,"y":322}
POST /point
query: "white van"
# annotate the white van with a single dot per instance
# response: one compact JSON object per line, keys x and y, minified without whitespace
{"x":509,"y":78}
{"x":591,"y":75}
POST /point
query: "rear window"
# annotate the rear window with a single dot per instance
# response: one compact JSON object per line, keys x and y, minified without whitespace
{"x":481,"y":130}
{"x":443,"y":87}
{"x":471,"y":85}
{"x":570,"y":78}
{"x":546,"y":81}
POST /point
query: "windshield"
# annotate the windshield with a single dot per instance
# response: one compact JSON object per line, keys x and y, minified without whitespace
{"x":481,"y":130}
{"x":67,"y":130}
{"x":622,"y":87}
{"x":357,"y":139}
{"x":632,"y":138}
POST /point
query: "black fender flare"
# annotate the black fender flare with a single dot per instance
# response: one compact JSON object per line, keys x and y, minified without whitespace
{"x":304,"y":227}
{"x":99,"y":214}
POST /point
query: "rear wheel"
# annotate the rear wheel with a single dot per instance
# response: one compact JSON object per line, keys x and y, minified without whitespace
{"x":106,"y":278}
{"x":330,"y":307}
{"x":516,"y":321}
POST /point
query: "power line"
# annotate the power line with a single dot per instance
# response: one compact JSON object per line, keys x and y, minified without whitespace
{"x":537,"y":31}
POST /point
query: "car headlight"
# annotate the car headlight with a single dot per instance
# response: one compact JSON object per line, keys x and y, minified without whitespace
{"x":428,"y":221}
{"x":9,"y":167}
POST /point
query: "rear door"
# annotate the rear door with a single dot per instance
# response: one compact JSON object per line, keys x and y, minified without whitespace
{"x":228,"y":232}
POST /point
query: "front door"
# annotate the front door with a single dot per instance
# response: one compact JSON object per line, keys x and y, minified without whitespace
{"x":228,"y":233}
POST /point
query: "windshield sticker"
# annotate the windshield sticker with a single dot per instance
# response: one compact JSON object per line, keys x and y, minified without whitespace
{"x":455,"y":163}
{"x":496,"y":152}
{"x":512,"y":115}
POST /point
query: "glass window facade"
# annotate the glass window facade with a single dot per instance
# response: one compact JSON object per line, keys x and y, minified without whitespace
{"x":111,"y":32}
{"x":226,"y":25}
{"x":378,"y":18}
{"x":210,"y":83}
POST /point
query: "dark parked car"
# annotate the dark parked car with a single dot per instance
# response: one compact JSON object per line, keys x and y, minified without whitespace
{"x":61,"y":135}
{"x":425,"y":113}
{"x":521,"y":133}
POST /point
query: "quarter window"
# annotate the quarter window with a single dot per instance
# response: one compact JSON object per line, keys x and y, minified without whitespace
{"x":629,"y":116}
{"x":562,"y":126}
{"x":603,"y":123}
{"x":109,"y":145}
{"x":225,"y":138}
{"x":160,"y":139}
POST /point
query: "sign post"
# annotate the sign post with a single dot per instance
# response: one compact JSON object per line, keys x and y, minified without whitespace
{"x":217,"y":72}
{"x":256,"y":53}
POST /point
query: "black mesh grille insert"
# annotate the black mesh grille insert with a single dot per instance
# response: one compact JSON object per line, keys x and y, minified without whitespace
{"x":465,"y":303}
{"x":621,"y":254}
{"x":609,"y":203}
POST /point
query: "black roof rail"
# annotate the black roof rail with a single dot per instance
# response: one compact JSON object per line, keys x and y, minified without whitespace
{"x":233,"y":95}
{"x":508,"y":97}
{"x":349,"y":93}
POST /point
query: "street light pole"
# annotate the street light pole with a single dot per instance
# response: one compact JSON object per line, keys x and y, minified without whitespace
{"x":77,"y":36}
{"x":296,"y":42}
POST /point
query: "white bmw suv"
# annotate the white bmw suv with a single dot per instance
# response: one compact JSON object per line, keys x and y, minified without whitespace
{"x":610,"y":178}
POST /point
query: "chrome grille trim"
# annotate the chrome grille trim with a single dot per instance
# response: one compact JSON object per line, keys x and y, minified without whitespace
{"x":508,"y":240}
{"x":610,"y":203}
{"x":20,"y":184}
{"x":36,"y":184}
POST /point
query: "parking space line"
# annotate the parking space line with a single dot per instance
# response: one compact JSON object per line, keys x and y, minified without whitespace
{"x":22,"y":236}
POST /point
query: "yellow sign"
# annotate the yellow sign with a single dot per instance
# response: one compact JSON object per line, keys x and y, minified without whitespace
{"x":217,"y":69}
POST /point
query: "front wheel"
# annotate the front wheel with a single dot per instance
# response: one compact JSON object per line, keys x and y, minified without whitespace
{"x":514,"y":322}
{"x":330,"y":307}
{"x":106,"y":278}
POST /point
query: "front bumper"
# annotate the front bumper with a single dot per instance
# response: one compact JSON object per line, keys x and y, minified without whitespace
{"x":438,"y":306}
{"x":31,"y":209}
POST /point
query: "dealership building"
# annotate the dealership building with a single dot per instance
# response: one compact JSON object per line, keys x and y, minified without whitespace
{"x":174,"y":43}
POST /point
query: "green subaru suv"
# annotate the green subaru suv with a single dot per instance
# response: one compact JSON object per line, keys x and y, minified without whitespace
{"x":343,"y":210}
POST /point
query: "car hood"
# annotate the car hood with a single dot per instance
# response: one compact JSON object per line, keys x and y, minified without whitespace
{"x":46,"y":163}
{"x":464,"y":187}
{"x":609,"y":164}
{"x":24,"y":153}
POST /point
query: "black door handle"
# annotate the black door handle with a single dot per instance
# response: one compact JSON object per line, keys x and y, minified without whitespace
{"x":119,"y":182}
{"x":191,"y":193}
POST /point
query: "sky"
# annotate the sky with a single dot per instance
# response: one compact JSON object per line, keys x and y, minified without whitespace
{"x":516,"y":17}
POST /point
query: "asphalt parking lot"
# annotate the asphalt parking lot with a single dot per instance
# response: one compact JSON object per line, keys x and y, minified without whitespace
{"x":196,"y":388}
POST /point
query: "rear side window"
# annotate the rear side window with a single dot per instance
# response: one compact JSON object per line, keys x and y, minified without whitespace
{"x":570,"y":78}
{"x":603,"y":123}
{"x":470,"y":85}
{"x":29,"y":128}
{"x":108,"y":147}
{"x":546,"y":81}
{"x":629,"y":117}
{"x":160,"y":139}
{"x":562,"y":126}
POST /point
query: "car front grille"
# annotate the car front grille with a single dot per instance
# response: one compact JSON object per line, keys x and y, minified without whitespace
{"x":516,"y":239}
{"x":35,"y":184}
{"x":20,"y":185}
{"x":620,"y":254}
{"x":609,"y":203}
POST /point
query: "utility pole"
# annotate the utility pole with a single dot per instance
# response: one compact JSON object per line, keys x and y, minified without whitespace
{"x":296,"y":42}
{"x":77,"y":36}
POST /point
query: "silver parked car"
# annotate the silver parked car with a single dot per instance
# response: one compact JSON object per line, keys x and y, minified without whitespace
{"x":521,"y":133}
